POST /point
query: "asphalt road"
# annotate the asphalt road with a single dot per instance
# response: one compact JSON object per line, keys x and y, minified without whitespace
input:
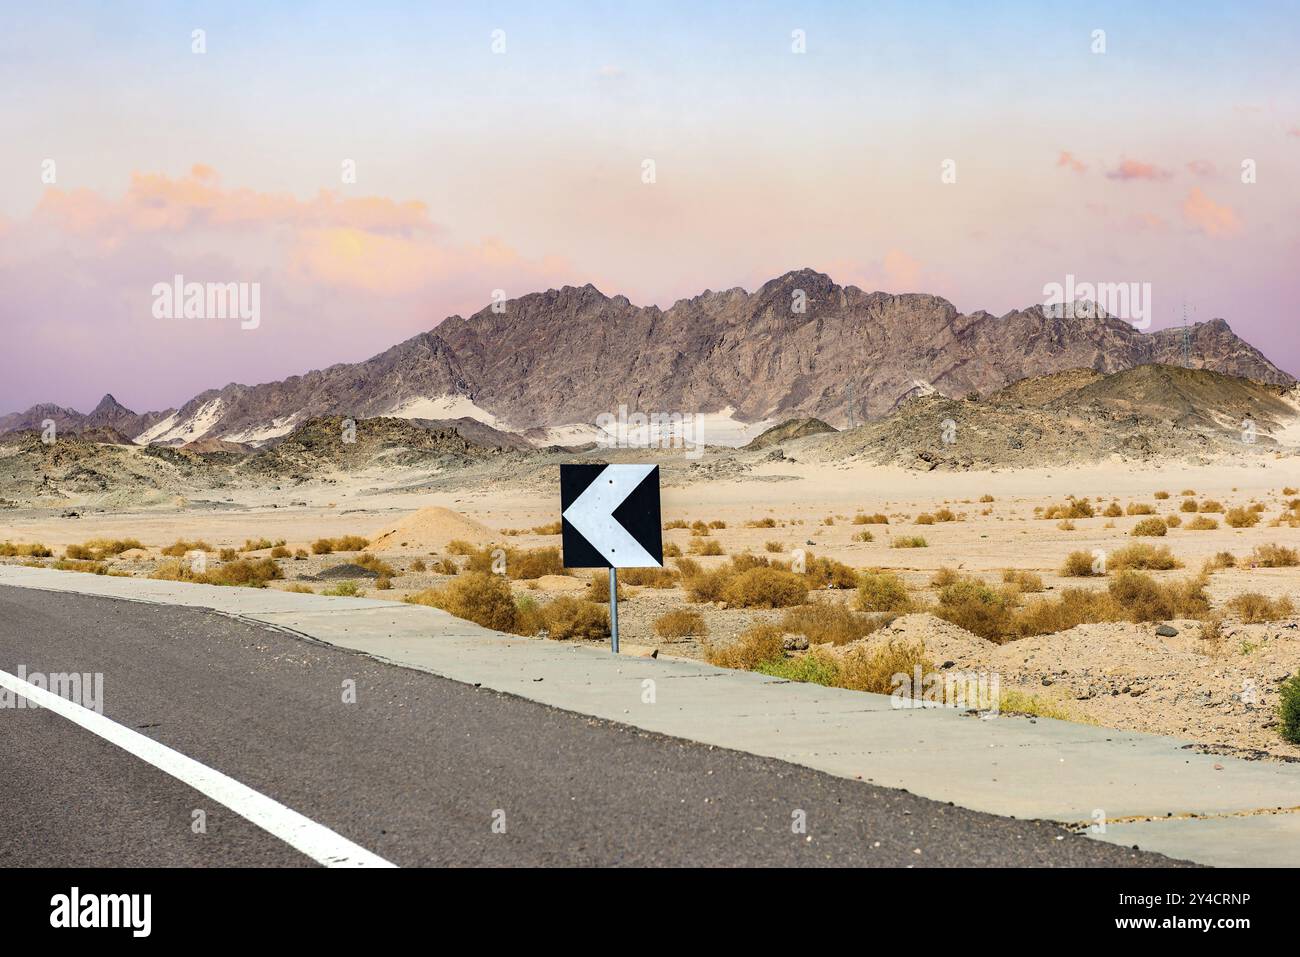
{"x":419,"y":768}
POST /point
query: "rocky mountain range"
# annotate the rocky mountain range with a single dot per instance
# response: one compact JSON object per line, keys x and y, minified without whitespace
{"x":800,"y":346}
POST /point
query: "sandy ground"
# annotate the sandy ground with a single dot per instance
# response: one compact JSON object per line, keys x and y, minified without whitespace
{"x":1117,"y":675}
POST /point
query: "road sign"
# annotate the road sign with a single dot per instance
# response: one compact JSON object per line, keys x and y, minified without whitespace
{"x":610,"y":519}
{"x":611,"y":516}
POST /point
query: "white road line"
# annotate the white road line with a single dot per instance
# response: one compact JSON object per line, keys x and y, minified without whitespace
{"x":315,"y":840}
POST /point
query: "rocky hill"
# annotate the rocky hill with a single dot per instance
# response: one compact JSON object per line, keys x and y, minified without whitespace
{"x":800,"y":346}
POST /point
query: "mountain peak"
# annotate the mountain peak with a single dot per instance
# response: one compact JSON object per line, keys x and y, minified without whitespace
{"x":110,"y":406}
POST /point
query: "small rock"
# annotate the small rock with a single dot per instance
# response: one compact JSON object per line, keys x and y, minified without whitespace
{"x":1166,"y":631}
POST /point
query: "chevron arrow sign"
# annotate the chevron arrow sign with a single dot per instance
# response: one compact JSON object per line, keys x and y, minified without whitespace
{"x":611,"y":516}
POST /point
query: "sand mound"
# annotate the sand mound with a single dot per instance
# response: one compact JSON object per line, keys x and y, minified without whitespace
{"x":430,"y":529}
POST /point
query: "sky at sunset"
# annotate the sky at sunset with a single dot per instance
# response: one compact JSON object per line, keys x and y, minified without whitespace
{"x":130,"y":158}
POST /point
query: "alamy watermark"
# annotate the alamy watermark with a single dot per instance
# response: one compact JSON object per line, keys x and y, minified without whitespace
{"x":963,"y":690}
{"x":658,"y":430}
{"x":179,"y":299}
{"x":1130,"y":301}
{"x":83,"y":688}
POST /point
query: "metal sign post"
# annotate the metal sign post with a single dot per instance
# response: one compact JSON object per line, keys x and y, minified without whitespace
{"x":613,"y":610}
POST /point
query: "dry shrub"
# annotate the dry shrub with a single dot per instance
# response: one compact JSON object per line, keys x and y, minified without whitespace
{"x":676,"y":523}
{"x":89,"y":567}
{"x":689,"y":567}
{"x":520,"y":563}
{"x":883,"y":591}
{"x":565,"y":618}
{"x":681,"y":623}
{"x":554,"y":528}
{"x":774,"y":546}
{"x":717,"y":523}
{"x":178,"y":548}
{"x":242,"y":572}
{"x":97,"y":549}
{"x":279,"y":551}
{"x":598,"y":587}
{"x":1144,"y":556}
{"x":925,"y":518}
{"x":1071,"y":508}
{"x":767,"y":522}
{"x":1139,"y":508}
{"x":909,"y":541}
{"x":1079,"y":565}
{"x":322,"y":546}
{"x":981,"y":610}
{"x":1074,"y":606}
{"x":1161,"y":496}
{"x":1221,"y":560}
{"x":1188,"y":505}
{"x":298,"y":588}
{"x":256,"y":545}
{"x":700,"y":546}
{"x":876,"y":519}
{"x":383,"y":583}
{"x":1202,"y":524}
{"x":649,"y":577}
{"x":863,"y":536}
{"x":1241,"y":518}
{"x":418,"y":565}
{"x":228,"y":554}
{"x":1210,"y":505}
{"x":753,"y":647}
{"x":1252,"y":608}
{"x":375,"y":564}
{"x":1145,"y":599}
{"x":765,"y":588}
{"x":1173,"y":521}
{"x":1065,"y":525}
{"x":1188,"y":491}
{"x":1025,"y":581}
{"x":944,"y":576}
{"x":986,"y":498}
{"x":476,"y":596}
{"x":828,"y":573}
{"x":1273,"y":556}
{"x":1150,"y":527}
{"x":672,"y":550}
{"x":1113,"y":510}
{"x":828,"y":623}
{"x":874,"y":669}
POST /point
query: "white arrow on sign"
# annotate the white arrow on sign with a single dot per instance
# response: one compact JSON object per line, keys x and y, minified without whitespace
{"x":592,"y":514}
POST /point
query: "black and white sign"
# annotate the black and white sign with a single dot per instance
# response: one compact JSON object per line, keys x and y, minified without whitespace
{"x":611,"y":516}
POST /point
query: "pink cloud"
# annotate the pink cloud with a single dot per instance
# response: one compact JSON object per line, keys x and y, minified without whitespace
{"x":1068,"y":160}
{"x":1135,"y":169}
{"x":1210,"y":217}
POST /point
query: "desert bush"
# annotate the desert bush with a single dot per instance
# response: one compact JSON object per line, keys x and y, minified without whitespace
{"x":1139,"y":508}
{"x":766,"y":522}
{"x":74,"y":565}
{"x":1252,"y":607}
{"x":1188,"y":505}
{"x":480,"y":597}
{"x":876,"y":519}
{"x":322,"y":546}
{"x":883,"y":591}
{"x":909,"y":541}
{"x":863,"y":536}
{"x":986,"y":498}
{"x":418,"y":565}
{"x":345,"y":589}
{"x":1241,"y":517}
{"x":1210,"y":505}
{"x":1221,"y":560}
{"x":228,"y":554}
{"x":1161,"y":496}
{"x":179,"y":548}
{"x":567,"y":618}
{"x":815,"y":667}
{"x":677,"y":523}
{"x":1019,"y":702}
{"x":765,"y":588}
{"x":717,"y":523}
{"x":520,"y":563}
{"x":828,"y":573}
{"x":1071,"y":508}
{"x":1079,"y":565}
{"x":375,"y":564}
{"x":299,"y":589}
{"x":256,"y":545}
{"x":1273,"y":556}
{"x":1173,"y":521}
{"x":1202,"y":524}
{"x":705,"y":587}
{"x":279,"y":551}
{"x":875,"y":669}
{"x":1288,"y":709}
{"x":1074,"y":606}
{"x":598,"y":588}
{"x":553,"y":528}
{"x":1188,"y":491}
{"x":680,"y":623}
{"x":350,"y":543}
{"x":1113,"y":510}
{"x":774,"y":546}
{"x":1025,"y":581}
{"x":925,"y":518}
{"x":944,"y":576}
{"x":1151,"y":527}
{"x":753,"y":647}
{"x":1145,"y":599}
{"x":672,"y":550}
{"x":1144,"y":556}
{"x":300,"y":555}
{"x":649,"y":577}
{"x":828,"y":623}
{"x":973,"y":605}
{"x":700,"y":546}
{"x":241,"y":572}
